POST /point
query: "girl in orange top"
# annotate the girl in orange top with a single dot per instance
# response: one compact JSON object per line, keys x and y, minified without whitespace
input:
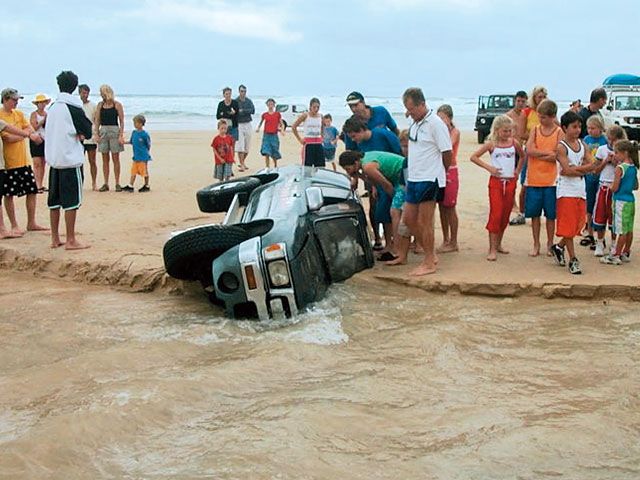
{"x":447,"y":207}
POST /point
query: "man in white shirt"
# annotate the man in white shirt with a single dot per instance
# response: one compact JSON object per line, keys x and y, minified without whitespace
{"x":430,"y":154}
{"x":89,"y":145}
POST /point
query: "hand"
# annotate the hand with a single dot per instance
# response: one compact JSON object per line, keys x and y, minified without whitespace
{"x":35,"y":138}
{"x":374,"y":193}
{"x":495,"y":171}
{"x":121,"y":139}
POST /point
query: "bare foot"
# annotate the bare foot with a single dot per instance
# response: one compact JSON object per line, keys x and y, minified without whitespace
{"x":76,"y":246}
{"x":418,"y":250}
{"x":423,"y":269}
{"x":397,"y":261}
{"x":9,"y":234}
{"x":503,"y":250}
{"x":57,"y":244}
{"x":16,"y":232}
{"x":549,"y":252}
{"x":94,"y":187}
{"x":37,"y":228}
{"x":492,"y":257}
{"x":447,"y":248}
{"x":534,"y":252}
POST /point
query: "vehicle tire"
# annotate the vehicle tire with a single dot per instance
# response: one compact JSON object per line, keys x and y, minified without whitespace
{"x":218,"y":197}
{"x":481,"y":136}
{"x":188,"y":255}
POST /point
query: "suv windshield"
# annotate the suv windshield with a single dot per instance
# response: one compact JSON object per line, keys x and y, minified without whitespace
{"x":503,"y":102}
{"x":628,"y":102}
{"x":339,"y":240}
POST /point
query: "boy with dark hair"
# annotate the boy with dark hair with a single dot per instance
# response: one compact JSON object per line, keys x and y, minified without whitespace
{"x":378,"y":139}
{"x":574,"y":160}
{"x":67,"y":126}
{"x":141,"y":143}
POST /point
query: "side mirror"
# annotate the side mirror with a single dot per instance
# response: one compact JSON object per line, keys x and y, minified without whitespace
{"x":315,"y":199}
{"x":610,"y":107}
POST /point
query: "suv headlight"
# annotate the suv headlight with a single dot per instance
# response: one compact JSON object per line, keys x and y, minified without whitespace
{"x":278,"y":273}
{"x":483,"y":121}
{"x":629,"y":120}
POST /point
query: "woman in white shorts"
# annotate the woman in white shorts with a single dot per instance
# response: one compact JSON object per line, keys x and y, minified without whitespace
{"x":108,"y":128}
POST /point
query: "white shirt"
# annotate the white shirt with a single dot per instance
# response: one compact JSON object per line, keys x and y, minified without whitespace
{"x":428,"y":139}
{"x":504,"y":158}
{"x":608,"y":173}
{"x":572,"y":186}
{"x":90,"y":111}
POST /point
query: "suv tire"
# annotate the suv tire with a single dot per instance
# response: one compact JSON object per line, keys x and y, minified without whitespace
{"x":218,"y":197}
{"x":481,"y":136}
{"x":188,"y":255}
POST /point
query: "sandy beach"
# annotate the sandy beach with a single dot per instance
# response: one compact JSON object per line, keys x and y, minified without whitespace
{"x":127,"y":232}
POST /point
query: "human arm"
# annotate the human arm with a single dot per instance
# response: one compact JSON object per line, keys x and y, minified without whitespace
{"x":120,"y":110}
{"x":372,"y":171}
{"x":33,"y":120}
{"x":545,"y":155}
{"x":80,"y":122}
{"x":475,"y":158}
{"x":260,"y":124}
{"x":615,"y":186}
{"x":521,"y":158}
{"x":294,"y":127}
{"x":566,"y":169}
{"x":96,"y":123}
{"x":219,"y":111}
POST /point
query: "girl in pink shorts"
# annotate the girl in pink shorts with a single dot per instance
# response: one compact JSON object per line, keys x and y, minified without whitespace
{"x":447,"y":207}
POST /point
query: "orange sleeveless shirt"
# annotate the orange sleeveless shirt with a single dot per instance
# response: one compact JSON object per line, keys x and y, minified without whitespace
{"x":541,"y":173}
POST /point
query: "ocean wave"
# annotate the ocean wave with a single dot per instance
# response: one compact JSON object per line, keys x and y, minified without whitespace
{"x":176,"y":113}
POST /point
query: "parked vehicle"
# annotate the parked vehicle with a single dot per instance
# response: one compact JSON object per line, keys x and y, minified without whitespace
{"x":623,"y":103}
{"x":287,"y":235}
{"x":489,"y":107}
{"x":290,"y":112}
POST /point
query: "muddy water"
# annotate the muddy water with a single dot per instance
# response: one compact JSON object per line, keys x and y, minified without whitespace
{"x":375,"y":382}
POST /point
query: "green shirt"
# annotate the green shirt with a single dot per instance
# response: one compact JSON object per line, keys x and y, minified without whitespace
{"x":389,"y":164}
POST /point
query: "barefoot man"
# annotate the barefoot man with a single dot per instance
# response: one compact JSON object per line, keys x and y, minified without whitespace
{"x":429,"y":157}
{"x":67,"y":127}
{"x":19,"y":178}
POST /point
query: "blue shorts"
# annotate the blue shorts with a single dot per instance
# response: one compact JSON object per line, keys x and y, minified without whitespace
{"x":329,"y":154}
{"x":592,"y":183}
{"x":383,"y":206}
{"x":233,"y":131}
{"x":537,"y":199}
{"x":271,"y":146}
{"x":418,"y":192}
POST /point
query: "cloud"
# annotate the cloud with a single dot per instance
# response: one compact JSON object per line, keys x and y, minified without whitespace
{"x":241,"y":19}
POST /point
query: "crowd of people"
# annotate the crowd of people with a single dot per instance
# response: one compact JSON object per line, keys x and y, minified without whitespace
{"x":576,"y":173}
{"x":58,"y":137}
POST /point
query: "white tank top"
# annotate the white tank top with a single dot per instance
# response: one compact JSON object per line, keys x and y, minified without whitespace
{"x":571,"y":186}
{"x":40,"y":130}
{"x":504,"y":158}
{"x":312,"y":126}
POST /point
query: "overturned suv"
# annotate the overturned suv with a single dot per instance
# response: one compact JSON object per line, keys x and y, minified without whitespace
{"x":286,"y":236}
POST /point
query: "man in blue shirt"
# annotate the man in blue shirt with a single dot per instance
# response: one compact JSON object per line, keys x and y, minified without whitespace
{"x":375,"y":140}
{"x":374,"y":117}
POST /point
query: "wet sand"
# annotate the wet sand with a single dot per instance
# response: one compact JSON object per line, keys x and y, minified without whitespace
{"x":372,"y":383}
{"x":127,"y":232}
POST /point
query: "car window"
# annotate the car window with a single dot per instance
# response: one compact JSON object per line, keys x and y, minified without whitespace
{"x":340,"y":241}
{"x":282,"y":108}
{"x":627,"y":102}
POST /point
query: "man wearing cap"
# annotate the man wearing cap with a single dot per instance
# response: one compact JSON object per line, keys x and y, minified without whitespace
{"x":245,"y":110}
{"x":19,"y":174}
{"x":67,"y":126}
{"x":374,"y":117}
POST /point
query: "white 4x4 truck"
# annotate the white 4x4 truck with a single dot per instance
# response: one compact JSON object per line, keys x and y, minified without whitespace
{"x":623,"y":103}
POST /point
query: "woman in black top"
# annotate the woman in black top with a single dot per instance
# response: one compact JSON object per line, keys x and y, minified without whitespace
{"x":108,"y":133}
{"x":228,"y":110}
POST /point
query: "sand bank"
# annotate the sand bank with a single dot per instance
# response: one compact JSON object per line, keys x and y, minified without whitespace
{"x":127,"y":232}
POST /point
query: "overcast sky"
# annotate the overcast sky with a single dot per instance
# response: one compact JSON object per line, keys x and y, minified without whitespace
{"x":380,"y":47}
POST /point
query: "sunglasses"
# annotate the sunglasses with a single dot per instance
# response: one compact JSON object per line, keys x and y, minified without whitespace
{"x":414,"y":137}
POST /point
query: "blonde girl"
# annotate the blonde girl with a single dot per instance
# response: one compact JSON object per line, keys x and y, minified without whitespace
{"x":505,"y":162}
{"x":624,"y":183}
{"x":447,"y":207}
{"x":108,"y":128}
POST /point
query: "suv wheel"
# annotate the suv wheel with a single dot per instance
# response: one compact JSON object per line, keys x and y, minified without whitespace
{"x":481,"y":136}
{"x":188,"y":255}
{"x":218,"y":197}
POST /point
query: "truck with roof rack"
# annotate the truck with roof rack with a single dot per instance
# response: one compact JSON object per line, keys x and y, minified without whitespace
{"x":623,"y":103}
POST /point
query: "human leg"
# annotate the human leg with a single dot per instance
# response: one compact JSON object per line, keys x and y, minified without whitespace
{"x":38,"y":172}
{"x":535,"y":231}
{"x":116,"y":167}
{"x":105,"y":172}
{"x":93,"y":168}
{"x":54,"y":220}
{"x":31,"y":214}
{"x":426,"y":215}
{"x":70,"y":226}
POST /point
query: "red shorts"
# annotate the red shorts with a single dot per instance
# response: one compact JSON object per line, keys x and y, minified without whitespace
{"x":571,"y":214}
{"x":451,"y":189}
{"x":603,"y":209}
{"x":502,"y":191}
